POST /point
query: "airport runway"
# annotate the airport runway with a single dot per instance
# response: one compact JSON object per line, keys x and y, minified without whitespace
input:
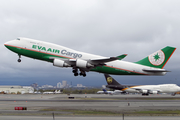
{"x":45,"y":105}
{"x":88,"y":118}
{"x":119,"y":103}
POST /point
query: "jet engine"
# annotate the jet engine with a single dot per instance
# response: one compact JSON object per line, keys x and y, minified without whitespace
{"x":83,"y":63}
{"x":144,"y":91}
{"x":153,"y":92}
{"x":60,"y":63}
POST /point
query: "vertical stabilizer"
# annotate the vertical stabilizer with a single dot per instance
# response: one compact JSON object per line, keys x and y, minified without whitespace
{"x":110,"y":80}
{"x":158,"y":59}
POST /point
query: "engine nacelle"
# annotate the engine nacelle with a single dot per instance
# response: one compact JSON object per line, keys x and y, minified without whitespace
{"x":144,"y":91}
{"x":60,"y":63}
{"x":153,"y":92}
{"x":83,"y":63}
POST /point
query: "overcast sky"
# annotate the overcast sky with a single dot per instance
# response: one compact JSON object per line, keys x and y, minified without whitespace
{"x":103,"y":27}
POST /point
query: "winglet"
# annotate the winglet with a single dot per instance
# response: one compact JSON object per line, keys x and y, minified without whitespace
{"x":105,"y":91}
{"x":121,"y":56}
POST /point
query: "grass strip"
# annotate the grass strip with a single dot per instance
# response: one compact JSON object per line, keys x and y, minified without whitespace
{"x":158,"y":112}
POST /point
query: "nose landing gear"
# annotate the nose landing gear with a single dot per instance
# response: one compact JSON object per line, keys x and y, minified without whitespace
{"x":19,"y":60}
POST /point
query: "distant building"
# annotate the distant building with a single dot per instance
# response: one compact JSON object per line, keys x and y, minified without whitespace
{"x":64,"y":84}
{"x":29,"y":89}
{"x":47,"y":86}
{"x":59,"y":85}
{"x":80,"y":85}
{"x":16,"y":89}
{"x":34,"y":85}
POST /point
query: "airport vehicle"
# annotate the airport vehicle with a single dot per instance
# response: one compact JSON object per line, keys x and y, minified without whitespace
{"x":62,"y":56}
{"x":144,"y":89}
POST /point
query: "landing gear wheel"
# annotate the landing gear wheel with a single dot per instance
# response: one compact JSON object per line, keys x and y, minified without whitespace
{"x":19,"y":60}
{"x":80,"y":74}
{"x":83,"y":73}
{"x":74,"y":71}
{"x":75,"y":74}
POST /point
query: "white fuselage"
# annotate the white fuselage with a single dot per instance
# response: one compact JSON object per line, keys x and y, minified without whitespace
{"x":162,"y":88}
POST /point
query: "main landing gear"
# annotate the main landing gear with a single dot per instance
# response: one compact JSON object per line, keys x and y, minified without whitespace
{"x":75,"y":71}
{"x":19,"y":60}
{"x":82,"y":73}
{"x":145,"y":94}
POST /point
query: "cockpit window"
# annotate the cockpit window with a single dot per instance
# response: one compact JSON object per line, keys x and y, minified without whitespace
{"x":18,"y":39}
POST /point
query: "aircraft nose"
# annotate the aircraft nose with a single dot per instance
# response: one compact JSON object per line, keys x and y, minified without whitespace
{"x":7,"y":43}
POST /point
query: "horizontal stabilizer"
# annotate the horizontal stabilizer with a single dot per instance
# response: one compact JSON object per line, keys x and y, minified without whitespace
{"x":156,"y":70}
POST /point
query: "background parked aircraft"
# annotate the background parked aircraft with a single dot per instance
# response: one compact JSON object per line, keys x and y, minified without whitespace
{"x":55,"y":92}
{"x":109,"y":92}
{"x":144,"y":89}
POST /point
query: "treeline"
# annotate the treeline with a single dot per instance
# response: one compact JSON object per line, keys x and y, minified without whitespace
{"x":81,"y":91}
{"x":74,"y":91}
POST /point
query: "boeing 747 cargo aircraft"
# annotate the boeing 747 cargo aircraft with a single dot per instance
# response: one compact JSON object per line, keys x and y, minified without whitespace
{"x":144,"y":89}
{"x":82,"y":62}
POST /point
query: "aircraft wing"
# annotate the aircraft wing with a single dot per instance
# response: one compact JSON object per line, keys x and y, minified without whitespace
{"x":102,"y":60}
{"x":95,"y":61}
{"x":106,"y":59}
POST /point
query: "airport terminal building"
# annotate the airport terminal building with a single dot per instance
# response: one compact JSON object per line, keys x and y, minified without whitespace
{"x":16,"y":89}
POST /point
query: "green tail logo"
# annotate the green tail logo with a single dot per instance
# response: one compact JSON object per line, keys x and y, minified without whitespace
{"x":158,"y":59}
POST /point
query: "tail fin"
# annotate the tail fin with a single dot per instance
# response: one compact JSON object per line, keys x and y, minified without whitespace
{"x":159,"y":58}
{"x":110,"y":80}
{"x":104,"y":90}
